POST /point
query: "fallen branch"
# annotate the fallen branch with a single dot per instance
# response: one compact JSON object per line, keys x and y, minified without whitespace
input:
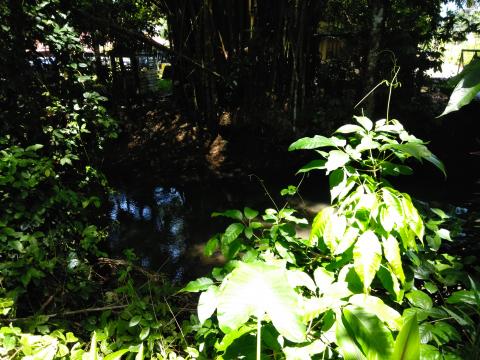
{"x":69,"y":313}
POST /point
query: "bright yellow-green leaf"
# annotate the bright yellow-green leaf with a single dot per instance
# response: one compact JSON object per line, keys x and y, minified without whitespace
{"x":253,"y":289}
{"x":376,"y":306}
{"x":207,"y":303}
{"x":407,"y":343}
{"x":367,"y":255}
{"x":391,"y":250}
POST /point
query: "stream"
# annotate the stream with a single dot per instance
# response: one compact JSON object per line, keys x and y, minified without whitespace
{"x":168,"y":225}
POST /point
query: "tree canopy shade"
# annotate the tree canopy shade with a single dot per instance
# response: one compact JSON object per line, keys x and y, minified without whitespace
{"x":270,"y":52}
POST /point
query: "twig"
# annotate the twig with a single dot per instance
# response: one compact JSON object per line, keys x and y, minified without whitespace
{"x":174,"y":317}
{"x":69,"y":313}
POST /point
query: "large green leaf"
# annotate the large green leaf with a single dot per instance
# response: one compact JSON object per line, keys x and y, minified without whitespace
{"x":407,"y":343}
{"x":466,"y":90}
{"x":365,"y":122}
{"x":369,"y":332}
{"x":377,"y":307}
{"x":312,"y":165}
{"x":391,"y":250}
{"x":419,"y":299}
{"x":117,"y":355}
{"x":347,"y":345}
{"x":232,"y":214}
{"x":418,"y":151}
{"x":198,"y":285}
{"x":254,"y":289}
{"x":207,"y":303}
{"x":350,"y":128}
{"x":229,"y":338}
{"x":316,"y":142}
{"x":336,"y":159}
{"x":232,"y":232}
{"x":463,"y":296}
{"x":305,"y":352}
{"x":334,"y":230}
{"x":367,"y":255}
{"x":319,"y":223}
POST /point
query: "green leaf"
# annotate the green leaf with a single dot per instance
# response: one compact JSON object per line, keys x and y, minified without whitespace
{"x":466,"y":90}
{"x":229,"y":338}
{"x":312,"y":165}
{"x":337,"y":182}
{"x":391,"y":251}
{"x":323,"y":278}
{"x":365,"y":122}
{"x":316,"y":142}
{"x":419,"y":152}
{"x":134,"y":320}
{"x":377,"y":307}
{"x":144,"y":333}
{"x":368,"y":331}
{"x":444,"y":234}
{"x":463,"y":297}
{"x":348,"y":346}
{"x":250,"y":213}
{"x":419,"y":299}
{"x":367,"y":255}
{"x":299,"y":278}
{"x":346,"y":240}
{"x":304,"y":352}
{"x":336,"y":159}
{"x":440,"y":213}
{"x":285,"y":253}
{"x":34,"y":147}
{"x":198,"y":285}
{"x":319,"y":223}
{"x":367,"y":143}
{"x":232,"y":214}
{"x":232,"y":232}
{"x":254,"y":289}
{"x":140,"y":353}
{"x":429,"y":352}
{"x":211,"y":246}
{"x":207,"y":303}
{"x":430,"y":287}
{"x":334,"y":231}
{"x":290,"y":190}
{"x":350,"y":128}
{"x":117,"y":355}
{"x":389,"y":168}
{"x":92,"y":354}
{"x":5,"y":305}
{"x":407,"y":343}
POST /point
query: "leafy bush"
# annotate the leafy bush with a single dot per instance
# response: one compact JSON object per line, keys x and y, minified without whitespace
{"x":370,"y":282}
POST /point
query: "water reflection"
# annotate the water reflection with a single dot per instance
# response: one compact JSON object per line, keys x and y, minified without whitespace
{"x":154,"y":226}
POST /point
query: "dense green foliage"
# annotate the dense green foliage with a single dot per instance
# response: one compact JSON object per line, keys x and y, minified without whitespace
{"x":52,"y":282}
{"x":376,"y":278}
{"x":371,"y":282}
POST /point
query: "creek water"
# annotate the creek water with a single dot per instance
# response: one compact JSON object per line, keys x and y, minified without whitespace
{"x":167,"y":225}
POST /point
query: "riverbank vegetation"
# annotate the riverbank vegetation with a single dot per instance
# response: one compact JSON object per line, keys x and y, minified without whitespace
{"x":381,"y":273}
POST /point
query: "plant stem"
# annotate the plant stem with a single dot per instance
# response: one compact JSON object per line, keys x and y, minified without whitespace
{"x":390,"y":87}
{"x":259,"y":336}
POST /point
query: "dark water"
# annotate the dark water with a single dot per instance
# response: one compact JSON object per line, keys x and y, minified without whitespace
{"x":168,"y":225}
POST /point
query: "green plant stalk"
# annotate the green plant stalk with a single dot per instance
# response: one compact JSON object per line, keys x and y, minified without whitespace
{"x":259,"y":337}
{"x":390,"y":87}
